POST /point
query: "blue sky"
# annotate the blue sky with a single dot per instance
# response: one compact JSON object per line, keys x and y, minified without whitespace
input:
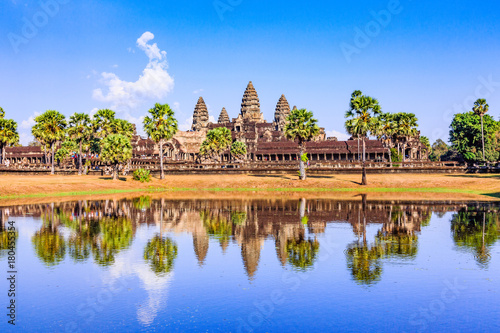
{"x":432,"y":59}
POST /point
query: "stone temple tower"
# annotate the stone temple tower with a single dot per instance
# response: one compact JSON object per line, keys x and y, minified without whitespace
{"x":282,"y":112}
{"x":250,"y":105}
{"x":223,"y":117}
{"x":200,"y":115}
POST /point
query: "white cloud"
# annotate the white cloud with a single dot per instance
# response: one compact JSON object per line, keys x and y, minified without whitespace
{"x":339,"y":135}
{"x":30,"y":122}
{"x":153,"y":84}
{"x":196,"y":92}
{"x":186,"y":125}
{"x":115,"y":66}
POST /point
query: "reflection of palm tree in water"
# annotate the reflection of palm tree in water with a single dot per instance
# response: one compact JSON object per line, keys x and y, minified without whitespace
{"x":302,"y":250}
{"x":476,"y":231}
{"x":396,"y":239}
{"x":363,"y":259}
{"x":49,"y":245}
{"x":160,"y":251}
{"x":4,"y":235}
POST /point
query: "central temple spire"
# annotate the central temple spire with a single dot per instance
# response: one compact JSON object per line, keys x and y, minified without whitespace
{"x":250,"y":105}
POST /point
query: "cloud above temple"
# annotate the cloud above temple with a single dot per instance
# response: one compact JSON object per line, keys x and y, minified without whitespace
{"x":152,"y":85}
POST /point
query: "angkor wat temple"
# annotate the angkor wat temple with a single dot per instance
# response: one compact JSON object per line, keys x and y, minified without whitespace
{"x":266,"y":143}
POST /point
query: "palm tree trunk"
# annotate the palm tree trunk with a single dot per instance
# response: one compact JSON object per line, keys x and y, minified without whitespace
{"x":2,"y":156}
{"x":301,"y":164}
{"x":482,"y":136}
{"x":115,"y":172}
{"x":52,"y":172}
{"x":161,"y":160}
{"x":363,"y":177}
{"x":80,"y":159}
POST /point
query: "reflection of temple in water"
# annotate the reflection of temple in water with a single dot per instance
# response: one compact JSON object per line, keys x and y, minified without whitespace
{"x":248,"y":223}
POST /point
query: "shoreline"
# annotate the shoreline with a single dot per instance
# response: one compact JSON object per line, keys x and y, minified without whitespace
{"x":430,"y":187}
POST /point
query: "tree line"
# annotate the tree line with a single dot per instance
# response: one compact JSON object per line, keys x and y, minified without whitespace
{"x":474,"y":135}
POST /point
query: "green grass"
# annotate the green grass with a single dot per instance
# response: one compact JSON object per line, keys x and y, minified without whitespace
{"x":293,"y":190}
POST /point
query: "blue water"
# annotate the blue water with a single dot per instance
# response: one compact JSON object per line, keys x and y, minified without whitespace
{"x":263,"y":266}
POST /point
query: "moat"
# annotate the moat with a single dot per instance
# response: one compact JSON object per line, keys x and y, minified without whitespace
{"x":253,"y":265}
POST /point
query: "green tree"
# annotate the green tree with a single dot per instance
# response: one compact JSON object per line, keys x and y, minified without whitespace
{"x":362,"y":120}
{"x":80,"y":130}
{"x":161,"y":253}
{"x":160,"y":126}
{"x":103,"y":123}
{"x":2,"y":113}
{"x":301,"y":127}
{"x":480,"y":108}
{"x":217,"y":141}
{"x":67,"y":148}
{"x":117,"y":150}
{"x":239,"y":150}
{"x":438,"y":150}
{"x":405,"y":128}
{"x":8,"y":134}
{"x":124,"y":127}
{"x":466,"y":138}
{"x":50,"y":128}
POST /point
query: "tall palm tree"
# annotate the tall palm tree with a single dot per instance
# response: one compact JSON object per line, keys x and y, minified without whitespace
{"x":160,"y":126}
{"x":384,"y":129}
{"x":301,"y":127}
{"x":103,"y":121}
{"x":406,"y":128}
{"x":50,"y":128}
{"x":362,"y":120}
{"x":480,"y":108}
{"x":80,"y":130}
{"x":8,"y":135}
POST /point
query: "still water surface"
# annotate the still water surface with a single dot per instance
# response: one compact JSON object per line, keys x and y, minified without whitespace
{"x":262,"y":265}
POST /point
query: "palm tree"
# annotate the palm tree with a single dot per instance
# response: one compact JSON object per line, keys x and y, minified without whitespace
{"x":301,"y":127}
{"x":2,"y":113}
{"x":406,"y":128}
{"x":8,"y":135}
{"x":50,"y":128}
{"x":161,"y":127}
{"x":116,"y":149}
{"x":217,"y":141}
{"x":362,"y":113}
{"x":480,"y":108}
{"x":384,"y":129}
{"x":239,"y":150}
{"x":120,"y":126}
{"x":103,"y":121}
{"x":80,"y":130}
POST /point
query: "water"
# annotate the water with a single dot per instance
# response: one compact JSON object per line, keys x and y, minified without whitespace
{"x":263,"y":265}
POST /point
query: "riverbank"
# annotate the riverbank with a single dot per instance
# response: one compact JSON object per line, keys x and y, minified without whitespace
{"x":433,"y":187}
